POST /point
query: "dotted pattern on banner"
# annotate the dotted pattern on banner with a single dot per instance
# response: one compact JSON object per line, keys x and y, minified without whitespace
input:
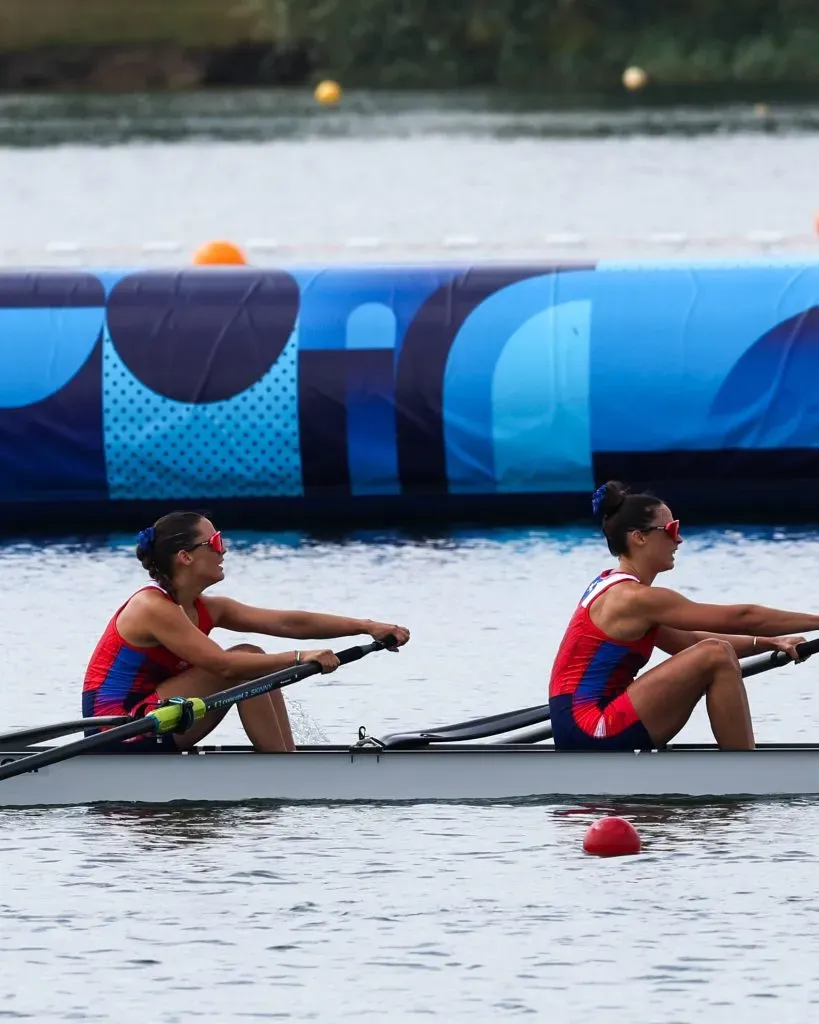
{"x":244,"y":447}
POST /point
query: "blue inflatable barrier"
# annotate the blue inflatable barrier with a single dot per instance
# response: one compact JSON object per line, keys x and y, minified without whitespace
{"x":452,"y":390}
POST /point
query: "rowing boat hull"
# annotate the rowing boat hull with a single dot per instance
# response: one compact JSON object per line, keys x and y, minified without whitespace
{"x":459,"y":773}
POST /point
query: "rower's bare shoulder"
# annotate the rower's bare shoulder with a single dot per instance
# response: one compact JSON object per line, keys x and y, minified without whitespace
{"x":631,"y":607}
{"x":624,"y":594}
{"x":640,"y":600}
{"x":150,"y":601}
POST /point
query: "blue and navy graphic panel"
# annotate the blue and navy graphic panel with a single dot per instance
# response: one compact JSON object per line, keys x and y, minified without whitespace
{"x":332,"y":383}
{"x":51,"y":424}
{"x":699,"y":374}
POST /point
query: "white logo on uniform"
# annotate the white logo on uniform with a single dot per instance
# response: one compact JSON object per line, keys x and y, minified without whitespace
{"x":603,"y":583}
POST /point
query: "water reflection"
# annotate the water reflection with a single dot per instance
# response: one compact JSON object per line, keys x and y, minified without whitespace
{"x":665,"y":820}
{"x":158,"y":827}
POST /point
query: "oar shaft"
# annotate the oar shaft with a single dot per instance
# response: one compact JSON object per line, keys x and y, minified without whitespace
{"x":33,"y":762}
{"x":44,"y":733}
{"x":474,"y":729}
{"x":536,"y":734}
{"x":284,"y":677}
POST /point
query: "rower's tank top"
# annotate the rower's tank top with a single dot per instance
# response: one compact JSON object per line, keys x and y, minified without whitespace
{"x":119,"y":675}
{"x":591,"y":666}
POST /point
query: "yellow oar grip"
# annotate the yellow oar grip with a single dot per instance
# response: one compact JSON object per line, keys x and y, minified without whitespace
{"x":169,"y":716}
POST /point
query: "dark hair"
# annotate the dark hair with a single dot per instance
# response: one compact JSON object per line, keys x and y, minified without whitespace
{"x":621,"y":512}
{"x":159,"y":544}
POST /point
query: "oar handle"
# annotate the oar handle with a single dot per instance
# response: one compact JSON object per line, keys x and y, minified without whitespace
{"x":356,"y":653}
{"x":765,"y":662}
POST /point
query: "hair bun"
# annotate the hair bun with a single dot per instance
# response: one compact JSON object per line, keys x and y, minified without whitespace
{"x":608,"y":498}
{"x":146,"y":539}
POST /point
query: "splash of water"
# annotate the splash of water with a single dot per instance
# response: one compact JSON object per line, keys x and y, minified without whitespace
{"x":306,"y":731}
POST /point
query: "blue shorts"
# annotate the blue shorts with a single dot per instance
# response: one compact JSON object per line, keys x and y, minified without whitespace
{"x":161,"y":744}
{"x":568,"y":735}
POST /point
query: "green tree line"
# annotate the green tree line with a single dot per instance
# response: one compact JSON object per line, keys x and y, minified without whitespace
{"x":559,"y":44}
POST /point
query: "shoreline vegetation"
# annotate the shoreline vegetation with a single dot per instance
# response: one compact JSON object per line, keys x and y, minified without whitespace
{"x":563,"y":47}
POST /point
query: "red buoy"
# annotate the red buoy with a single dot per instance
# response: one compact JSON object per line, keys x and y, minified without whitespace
{"x":611,"y":837}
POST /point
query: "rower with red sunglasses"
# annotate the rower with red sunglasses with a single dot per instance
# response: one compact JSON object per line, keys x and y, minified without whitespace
{"x":157,"y":643}
{"x":596,"y":699}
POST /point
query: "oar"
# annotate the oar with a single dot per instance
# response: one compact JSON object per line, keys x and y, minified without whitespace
{"x":169,"y":717}
{"x":473,"y":729}
{"x":535,"y":735}
{"x":44,"y":733}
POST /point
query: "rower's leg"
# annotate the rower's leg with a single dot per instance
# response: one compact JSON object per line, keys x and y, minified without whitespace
{"x":267,"y":723}
{"x":280,"y":710}
{"x":264,"y":718}
{"x":665,"y":696}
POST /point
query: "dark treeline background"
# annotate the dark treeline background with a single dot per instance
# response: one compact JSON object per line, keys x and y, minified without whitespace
{"x":565,"y":46}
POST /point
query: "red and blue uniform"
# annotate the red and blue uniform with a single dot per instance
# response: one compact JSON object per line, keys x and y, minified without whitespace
{"x":590,"y":708}
{"x":121,"y":679}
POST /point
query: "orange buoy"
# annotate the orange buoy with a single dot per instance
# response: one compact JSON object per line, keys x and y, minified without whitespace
{"x":611,"y":837}
{"x":327,"y":93}
{"x":218,"y":253}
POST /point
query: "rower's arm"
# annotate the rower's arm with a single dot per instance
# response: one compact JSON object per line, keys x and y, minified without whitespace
{"x":167,"y":624}
{"x":672,"y":641}
{"x":295,"y":625}
{"x":657,"y":606}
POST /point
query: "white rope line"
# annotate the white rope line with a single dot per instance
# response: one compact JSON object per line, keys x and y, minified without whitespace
{"x":764,"y":239}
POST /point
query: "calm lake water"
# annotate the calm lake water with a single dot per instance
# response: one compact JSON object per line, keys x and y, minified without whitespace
{"x":335,"y":913}
{"x":398,"y":177}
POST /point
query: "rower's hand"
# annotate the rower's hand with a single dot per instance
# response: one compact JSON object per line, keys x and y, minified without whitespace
{"x":327,"y":659}
{"x":787,"y":644}
{"x":383,"y":631}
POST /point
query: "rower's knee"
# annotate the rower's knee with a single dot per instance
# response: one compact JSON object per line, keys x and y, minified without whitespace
{"x":247,"y":648}
{"x":717,"y":654}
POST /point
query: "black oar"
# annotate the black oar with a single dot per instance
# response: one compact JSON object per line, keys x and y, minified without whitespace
{"x":44,"y":733}
{"x":170,"y":717}
{"x":473,"y":729}
{"x":535,"y":735}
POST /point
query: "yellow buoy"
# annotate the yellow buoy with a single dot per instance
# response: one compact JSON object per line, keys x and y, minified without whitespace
{"x":218,"y":253}
{"x":634,"y":78}
{"x":328,"y":93}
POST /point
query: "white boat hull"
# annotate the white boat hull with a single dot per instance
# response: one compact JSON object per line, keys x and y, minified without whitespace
{"x":459,"y":773}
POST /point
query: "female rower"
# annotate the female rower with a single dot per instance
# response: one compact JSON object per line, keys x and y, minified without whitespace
{"x":595,"y":700}
{"x":157,"y":646}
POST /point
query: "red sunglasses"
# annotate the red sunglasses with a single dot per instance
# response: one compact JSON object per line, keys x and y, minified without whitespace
{"x":214,"y":542}
{"x":672,"y":529}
